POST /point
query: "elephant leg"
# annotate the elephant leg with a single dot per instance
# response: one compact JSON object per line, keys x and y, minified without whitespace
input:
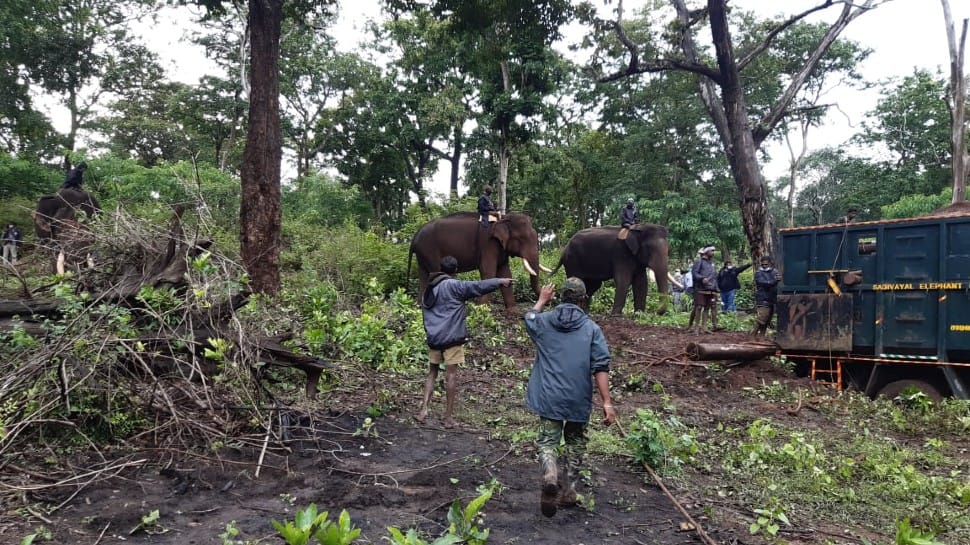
{"x":622,"y":279}
{"x":508,"y":296}
{"x":640,"y":291}
{"x":591,"y":287}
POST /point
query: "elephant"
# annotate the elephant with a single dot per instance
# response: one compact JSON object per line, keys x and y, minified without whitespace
{"x":461,"y":236}
{"x":56,"y":220}
{"x":597,"y":254}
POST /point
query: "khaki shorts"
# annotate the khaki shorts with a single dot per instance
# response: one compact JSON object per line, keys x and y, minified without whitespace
{"x":448,"y":356}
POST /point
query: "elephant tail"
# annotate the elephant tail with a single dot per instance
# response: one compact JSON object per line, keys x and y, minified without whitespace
{"x":407,"y":275}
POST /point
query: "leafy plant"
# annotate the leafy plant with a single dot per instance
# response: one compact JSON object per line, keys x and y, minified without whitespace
{"x":907,"y":534}
{"x":661,"y":444}
{"x":229,"y":534}
{"x":462,"y":523}
{"x":308,"y":523}
{"x":149,"y":524}
{"x":768,"y":519}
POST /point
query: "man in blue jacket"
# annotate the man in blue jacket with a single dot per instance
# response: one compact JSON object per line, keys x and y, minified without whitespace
{"x":571,"y":354}
{"x":443,"y":310}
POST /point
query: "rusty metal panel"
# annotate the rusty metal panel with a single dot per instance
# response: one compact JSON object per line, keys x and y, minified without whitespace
{"x":814,"y":321}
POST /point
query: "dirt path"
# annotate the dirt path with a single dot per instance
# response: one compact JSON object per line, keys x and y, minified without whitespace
{"x":408,"y":475}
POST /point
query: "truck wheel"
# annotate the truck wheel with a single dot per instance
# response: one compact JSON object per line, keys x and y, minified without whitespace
{"x":893,"y":389}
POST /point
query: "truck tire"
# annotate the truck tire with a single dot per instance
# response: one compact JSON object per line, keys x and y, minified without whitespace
{"x":893,"y":389}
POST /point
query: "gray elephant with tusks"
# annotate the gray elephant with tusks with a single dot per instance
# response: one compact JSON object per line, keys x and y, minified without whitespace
{"x":488,"y":250}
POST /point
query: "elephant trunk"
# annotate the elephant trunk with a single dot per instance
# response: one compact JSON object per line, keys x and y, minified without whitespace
{"x":662,"y":289}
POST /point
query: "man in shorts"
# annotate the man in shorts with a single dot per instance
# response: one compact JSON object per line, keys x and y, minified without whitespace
{"x":443,"y":310}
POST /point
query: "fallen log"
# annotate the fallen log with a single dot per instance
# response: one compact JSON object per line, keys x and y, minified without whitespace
{"x":28,"y":307}
{"x":730,"y":351}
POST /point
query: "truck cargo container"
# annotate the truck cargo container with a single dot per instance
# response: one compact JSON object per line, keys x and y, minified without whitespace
{"x":882,"y":306}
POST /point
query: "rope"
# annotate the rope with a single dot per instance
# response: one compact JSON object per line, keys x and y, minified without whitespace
{"x":656,"y":478}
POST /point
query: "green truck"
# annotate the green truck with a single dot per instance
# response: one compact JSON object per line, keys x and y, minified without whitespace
{"x":882,"y":306}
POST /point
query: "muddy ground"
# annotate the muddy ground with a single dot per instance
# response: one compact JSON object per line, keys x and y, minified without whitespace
{"x":400,"y":473}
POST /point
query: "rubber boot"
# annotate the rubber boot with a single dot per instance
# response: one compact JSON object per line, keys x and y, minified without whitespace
{"x":550,"y":483}
{"x":567,"y":494}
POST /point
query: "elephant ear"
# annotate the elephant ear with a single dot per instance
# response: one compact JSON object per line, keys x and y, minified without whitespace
{"x":500,"y":231}
{"x":633,"y":241}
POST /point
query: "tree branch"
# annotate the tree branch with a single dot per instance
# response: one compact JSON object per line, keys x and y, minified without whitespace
{"x":635,"y":67}
{"x":778,"y":111}
{"x":778,"y":30}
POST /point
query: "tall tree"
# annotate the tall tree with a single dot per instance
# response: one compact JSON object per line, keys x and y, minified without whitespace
{"x":912,"y":122}
{"x":24,"y":129}
{"x":260,"y":215}
{"x":720,"y":85}
{"x":958,"y":106}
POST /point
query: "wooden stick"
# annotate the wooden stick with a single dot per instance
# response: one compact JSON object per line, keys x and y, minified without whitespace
{"x":656,"y":478}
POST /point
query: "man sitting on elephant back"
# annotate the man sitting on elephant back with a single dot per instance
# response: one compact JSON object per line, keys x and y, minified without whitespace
{"x":75,"y":177}
{"x":443,"y":310}
{"x":485,"y":207}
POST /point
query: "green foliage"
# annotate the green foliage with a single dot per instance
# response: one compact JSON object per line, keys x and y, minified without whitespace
{"x":321,"y":200}
{"x":386,"y":333}
{"x":308,"y":524}
{"x":149,"y":524}
{"x":768,"y":519}
{"x":463,"y":524}
{"x":27,"y":179}
{"x":228,"y":536}
{"x":907,"y":534}
{"x":910,"y":206}
{"x":662,"y":444}
{"x":346,"y":256}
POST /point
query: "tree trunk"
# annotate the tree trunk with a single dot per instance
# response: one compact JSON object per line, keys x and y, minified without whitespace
{"x":958,"y":101}
{"x":504,"y":153}
{"x":742,"y":154}
{"x":794,"y":165}
{"x":455,"y":160}
{"x":260,"y":216}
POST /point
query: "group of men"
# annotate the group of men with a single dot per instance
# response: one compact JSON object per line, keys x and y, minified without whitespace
{"x":571,"y":356}
{"x":704,"y":284}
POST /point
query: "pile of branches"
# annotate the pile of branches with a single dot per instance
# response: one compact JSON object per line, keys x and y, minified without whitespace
{"x":149,"y":349}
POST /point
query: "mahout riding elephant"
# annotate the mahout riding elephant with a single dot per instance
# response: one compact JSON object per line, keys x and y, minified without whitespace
{"x":597,"y":254}
{"x":56,"y":221}
{"x":488,"y":250}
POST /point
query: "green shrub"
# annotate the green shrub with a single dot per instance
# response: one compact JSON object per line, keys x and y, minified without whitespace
{"x":662,"y":444}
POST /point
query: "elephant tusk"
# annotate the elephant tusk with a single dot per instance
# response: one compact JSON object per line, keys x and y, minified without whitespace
{"x":544,"y":268}
{"x":531,"y":271}
{"x":674,"y":280}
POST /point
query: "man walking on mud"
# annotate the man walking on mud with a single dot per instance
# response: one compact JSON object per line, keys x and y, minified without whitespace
{"x":443,"y":310}
{"x":571,"y":354}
